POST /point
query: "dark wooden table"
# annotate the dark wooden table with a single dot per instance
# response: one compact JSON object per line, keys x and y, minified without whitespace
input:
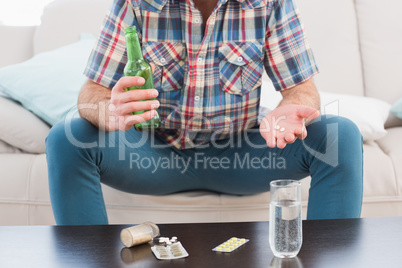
{"x":371,"y":242}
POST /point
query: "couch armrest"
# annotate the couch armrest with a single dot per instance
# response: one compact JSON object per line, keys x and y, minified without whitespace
{"x":16,"y":45}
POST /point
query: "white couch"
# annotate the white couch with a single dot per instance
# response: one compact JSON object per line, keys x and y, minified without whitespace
{"x":358,"y":54}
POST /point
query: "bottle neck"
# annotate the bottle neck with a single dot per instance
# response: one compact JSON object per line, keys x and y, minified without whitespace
{"x":134,"y":51}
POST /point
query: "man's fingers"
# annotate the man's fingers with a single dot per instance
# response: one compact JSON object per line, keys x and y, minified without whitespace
{"x":307,"y":112}
{"x":290,"y":138}
{"x":265,"y":128}
{"x":266,"y":132}
{"x":280,"y":142}
{"x":134,"y":95}
{"x":127,"y":108}
{"x":271,"y":140}
{"x":128,"y":81}
{"x":139,"y":118}
{"x":301,"y":133}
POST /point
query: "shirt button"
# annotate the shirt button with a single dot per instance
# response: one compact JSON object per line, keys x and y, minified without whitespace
{"x":199,"y":59}
{"x":163,"y":60}
{"x":240,"y":59}
{"x":197,"y":20}
{"x":197,"y":98}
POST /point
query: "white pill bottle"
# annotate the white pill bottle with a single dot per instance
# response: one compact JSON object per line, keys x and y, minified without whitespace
{"x":139,"y":234}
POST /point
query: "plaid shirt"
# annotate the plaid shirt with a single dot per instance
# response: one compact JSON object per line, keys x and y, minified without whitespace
{"x":209,"y":80}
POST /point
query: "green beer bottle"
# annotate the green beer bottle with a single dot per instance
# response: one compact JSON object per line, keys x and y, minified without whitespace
{"x":138,"y":66}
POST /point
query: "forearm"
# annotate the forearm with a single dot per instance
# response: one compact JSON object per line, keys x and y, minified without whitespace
{"x":93,"y":102}
{"x":303,"y":94}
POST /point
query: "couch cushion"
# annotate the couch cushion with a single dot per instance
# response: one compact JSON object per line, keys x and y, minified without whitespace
{"x":25,"y":199}
{"x":22,"y":40}
{"x":332,"y":32}
{"x":197,"y":206}
{"x":379,"y":175}
{"x":17,"y":177}
{"x":77,"y":15}
{"x":6,"y":148}
{"x":380,"y":27}
{"x":392,"y":147}
{"x":20,"y":128}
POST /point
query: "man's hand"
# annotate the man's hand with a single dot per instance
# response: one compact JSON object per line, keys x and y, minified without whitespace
{"x":111,"y":110}
{"x":286,"y":123}
{"x":123,"y":103}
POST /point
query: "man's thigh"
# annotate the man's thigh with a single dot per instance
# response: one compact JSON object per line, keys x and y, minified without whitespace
{"x":248,"y":165}
{"x":140,"y":162}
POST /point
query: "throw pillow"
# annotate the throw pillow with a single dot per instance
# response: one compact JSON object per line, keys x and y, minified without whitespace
{"x":49,"y":83}
{"x":369,"y":114}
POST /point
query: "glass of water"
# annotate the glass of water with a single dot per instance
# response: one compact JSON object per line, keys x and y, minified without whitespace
{"x":285,"y":222}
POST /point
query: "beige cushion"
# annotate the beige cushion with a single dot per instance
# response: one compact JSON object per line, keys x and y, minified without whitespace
{"x":332,"y":32}
{"x":21,"y":42}
{"x":392,"y":146}
{"x":380,"y":181}
{"x":380,"y":32}
{"x":70,"y":14}
{"x":6,"y":148}
{"x":26,"y":199}
{"x":197,"y":206}
{"x":20,"y":128}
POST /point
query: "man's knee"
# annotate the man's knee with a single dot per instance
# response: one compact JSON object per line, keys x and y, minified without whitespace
{"x":332,"y":137}
{"x":348,"y":128}
{"x":334,"y":127}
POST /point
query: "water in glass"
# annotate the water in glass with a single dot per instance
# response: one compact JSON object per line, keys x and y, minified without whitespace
{"x":285,"y":228}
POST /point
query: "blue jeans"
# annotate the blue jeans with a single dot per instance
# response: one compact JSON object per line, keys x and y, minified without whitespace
{"x":80,"y":158}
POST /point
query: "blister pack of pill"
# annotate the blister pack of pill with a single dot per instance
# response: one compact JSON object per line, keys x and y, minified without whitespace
{"x":169,"y":252}
{"x":231,"y":244}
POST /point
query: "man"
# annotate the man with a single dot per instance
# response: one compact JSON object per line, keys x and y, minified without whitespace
{"x":209,"y":56}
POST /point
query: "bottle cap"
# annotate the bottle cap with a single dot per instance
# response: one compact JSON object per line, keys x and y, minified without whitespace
{"x":139,"y":234}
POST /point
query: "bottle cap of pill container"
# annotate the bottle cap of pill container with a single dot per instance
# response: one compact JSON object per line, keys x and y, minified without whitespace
{"x":139,"y":234}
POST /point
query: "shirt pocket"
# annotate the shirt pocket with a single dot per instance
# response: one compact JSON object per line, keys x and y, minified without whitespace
{"x":169,"y":59}
{"x":240,"y":66}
